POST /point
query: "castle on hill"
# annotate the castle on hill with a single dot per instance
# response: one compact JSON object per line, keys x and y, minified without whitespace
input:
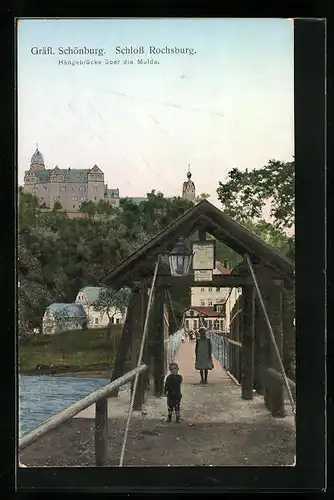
{"x":72,"y":187}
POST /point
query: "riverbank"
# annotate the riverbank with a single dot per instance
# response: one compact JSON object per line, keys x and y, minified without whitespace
{"x":77,"y":353}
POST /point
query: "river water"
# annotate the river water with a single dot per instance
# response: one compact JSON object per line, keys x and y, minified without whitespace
{"x":43,"y":396}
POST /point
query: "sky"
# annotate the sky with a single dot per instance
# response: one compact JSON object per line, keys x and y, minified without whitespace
{"x":228,"y":103}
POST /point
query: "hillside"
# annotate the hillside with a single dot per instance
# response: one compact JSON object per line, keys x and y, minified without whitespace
{"x":57,"y":255}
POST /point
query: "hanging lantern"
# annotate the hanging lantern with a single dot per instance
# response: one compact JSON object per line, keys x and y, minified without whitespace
{"x":180,"y":260}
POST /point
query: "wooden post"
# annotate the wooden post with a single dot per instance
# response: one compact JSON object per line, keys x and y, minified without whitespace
{"x":101,"y":432}
{"x":146,"y":355}
{"x":158,"y":348}
{"x":247,"y":360}
{"x":126,"y":338}
{"x":259,"y":332}
{"x":276,"y":320}
{"x":232,"y":350}
{"x":138,"y":328}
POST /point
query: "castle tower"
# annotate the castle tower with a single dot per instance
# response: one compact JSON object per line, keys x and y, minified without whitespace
{"x":37,"y":160}
{"x":188,"y":189}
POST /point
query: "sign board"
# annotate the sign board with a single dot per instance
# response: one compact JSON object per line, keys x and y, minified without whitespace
{"x":203,"y":255}
{"x":203,"y":275}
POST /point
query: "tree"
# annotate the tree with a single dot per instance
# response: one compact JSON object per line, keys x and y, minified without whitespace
{"x":202,"y":196}
{"x":88,"y":207}
{"x":246,"y":193}
{"x":57,"y":205}
{"x":110,"y":302}
{"x":105,"y":208}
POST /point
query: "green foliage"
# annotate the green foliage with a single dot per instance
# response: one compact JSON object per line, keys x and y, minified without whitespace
{"x":245,"y":194}
{"x":72,"y":351}
{"x":202,"y":196}
{"x":57,"y":205}
{"x":58,"y":255}
{"x":88,"y":207}
{"x":112,"y":300}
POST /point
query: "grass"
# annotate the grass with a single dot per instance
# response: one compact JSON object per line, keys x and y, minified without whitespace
{"x":72,"y":351}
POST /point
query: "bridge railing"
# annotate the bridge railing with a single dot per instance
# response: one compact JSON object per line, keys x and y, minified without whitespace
{"x":100,"y":398}
{"x":228,"y":352}
{"x":173,"y":345}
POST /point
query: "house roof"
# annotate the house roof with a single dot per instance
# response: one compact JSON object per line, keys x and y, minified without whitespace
{"x":72,"y":310}
{"x":70,"y":175}
{"x":207,"y":311}
{"x":222,"y":269}
{"x":214,"y":221}
{"x":91,"y":292}
{"x":112,"y":193}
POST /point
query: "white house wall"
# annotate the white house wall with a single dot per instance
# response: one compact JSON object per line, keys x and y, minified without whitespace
{"x":50,"y":327}
{"x":233,"y":297}
{"x":208,"y":296}
{"x":98,"y":319}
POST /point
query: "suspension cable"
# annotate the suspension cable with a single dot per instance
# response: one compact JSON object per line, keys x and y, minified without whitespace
{"x":272,"y":336}
{"x":141,"y":351}
{"x":171,"y":307}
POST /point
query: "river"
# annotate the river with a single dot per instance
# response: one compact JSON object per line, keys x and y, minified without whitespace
{"x":43,"y":396}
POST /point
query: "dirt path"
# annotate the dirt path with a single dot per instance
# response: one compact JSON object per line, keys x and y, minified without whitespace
{"x":217,"y":428}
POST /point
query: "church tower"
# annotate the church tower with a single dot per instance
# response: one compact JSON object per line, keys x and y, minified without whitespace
{"x":188,"y":190}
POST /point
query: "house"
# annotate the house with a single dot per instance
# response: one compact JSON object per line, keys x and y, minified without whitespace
{"x":69,"y":186}
{"x":212,"y":317}
{"x":210,"y":296}
{"x":86,"y":297}
{"x":60,"y":317}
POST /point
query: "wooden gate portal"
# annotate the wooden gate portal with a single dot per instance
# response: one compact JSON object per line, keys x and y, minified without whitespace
{"x":255,"y":350}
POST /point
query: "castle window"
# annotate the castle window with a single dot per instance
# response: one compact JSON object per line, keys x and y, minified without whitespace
{"x":83,"y":198}
{"x":95,"y":188}
{"x":210,"y":289}
{"x":210,"y":303}
{"x":191,"y":313}
{"x":74,"y":198}
{"x":73,"y":188}
{"x":202,"y":289}
{"x":202,"y":302}
{"x":62,"y":188}
{"x":45,"y":188}
{"x":218,"y":289}
{"x":96,"y":321}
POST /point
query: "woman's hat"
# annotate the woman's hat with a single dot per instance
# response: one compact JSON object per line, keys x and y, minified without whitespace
{"x":202,"y":329}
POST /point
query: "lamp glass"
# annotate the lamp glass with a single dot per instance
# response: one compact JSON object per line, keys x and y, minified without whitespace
{"x":179,"y":260}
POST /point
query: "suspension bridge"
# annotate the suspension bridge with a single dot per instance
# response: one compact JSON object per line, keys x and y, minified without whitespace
{"x":245,"y":415}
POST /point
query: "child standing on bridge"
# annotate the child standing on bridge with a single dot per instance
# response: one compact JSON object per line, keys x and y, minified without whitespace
{"x":173,"y":391}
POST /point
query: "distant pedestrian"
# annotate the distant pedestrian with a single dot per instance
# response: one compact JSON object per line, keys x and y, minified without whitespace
{"x":191,"y":335}
{"x":173,"y":392}
{"x":203,"y":352}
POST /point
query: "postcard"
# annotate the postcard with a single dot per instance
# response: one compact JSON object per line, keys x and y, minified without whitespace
{"x":144,"y":144}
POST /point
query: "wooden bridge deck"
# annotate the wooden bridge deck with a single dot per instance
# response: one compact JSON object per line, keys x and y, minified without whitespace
{"x":217,"y":428}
